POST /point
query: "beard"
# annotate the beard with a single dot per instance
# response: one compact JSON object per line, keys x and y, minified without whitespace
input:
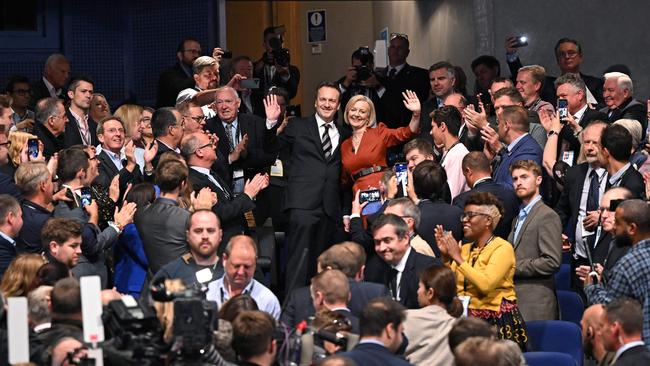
{"x":623,"y":241}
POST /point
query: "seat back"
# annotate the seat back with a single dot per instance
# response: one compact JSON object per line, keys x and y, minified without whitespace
{"x":548,"y":358}
{"x":563,"y":278}
{"x":556,"y":336}
{"x":571,"y":306}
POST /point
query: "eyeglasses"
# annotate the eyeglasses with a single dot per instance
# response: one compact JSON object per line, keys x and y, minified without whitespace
{"x":7,"y":144}
{"x":93,"y":158}
{"x":58,"y":115}
{"x":567,"y":54}
{"x":400,"y":35}
{"x":145,"y":120}
{"x":209,"y":144}
{"x":197,"y":119}
{"x":470,"y":214}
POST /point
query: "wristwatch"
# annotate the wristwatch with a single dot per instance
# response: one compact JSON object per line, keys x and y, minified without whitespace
{"x":551,"y":133}
{"x":116,"y":226}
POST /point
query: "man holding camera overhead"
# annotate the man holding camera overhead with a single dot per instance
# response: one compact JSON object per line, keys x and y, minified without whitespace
{"x":360,"y":78}
{"x":274,"y":68}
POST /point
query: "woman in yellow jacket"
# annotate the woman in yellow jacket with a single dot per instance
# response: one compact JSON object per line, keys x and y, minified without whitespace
{"x":485,"y":267}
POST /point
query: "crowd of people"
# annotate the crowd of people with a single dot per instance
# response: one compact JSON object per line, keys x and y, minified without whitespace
{"x":423,"y":224}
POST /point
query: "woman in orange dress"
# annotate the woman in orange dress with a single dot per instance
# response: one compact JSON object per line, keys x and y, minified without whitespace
{"x":363,"y":155}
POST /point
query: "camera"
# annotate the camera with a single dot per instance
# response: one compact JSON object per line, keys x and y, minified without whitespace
{"x":364,"y":71}
{"x":281,"y":55}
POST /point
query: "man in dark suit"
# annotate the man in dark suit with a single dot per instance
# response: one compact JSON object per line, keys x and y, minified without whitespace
{"x":251,"y":99}
{"x":565,"y":146}
{"x":381,"y":334}
{"x":362,"y":66}
{"x":537,"y":240}
{"x":397,"y":265}
{"x":620,"y":103}
{"x":349,"y":258}
{"x":11,"y":221}
{"x":616,"y":142}
{"x":51,"y":119}
{"x":55,"y":76}
{"x":622,"y":332}
{"x":276,"y":72}
{"x":396,"y":79}
{"x":441,"y":79}
{"x":577,"y":207}
{"x":167,"y":129}
{"x":179,"y":76}
{"x":330,"y":291}
{"x":81,"y":129}
{"x":476,"y":169}
{"x":199,"y":150}
{"x":312,"y":194}
{"x":429,"y":183}
{"x":568,"y":54}
{"x":110,"y":133}
{"x":241,"y":152}
{"x":513,"y":126}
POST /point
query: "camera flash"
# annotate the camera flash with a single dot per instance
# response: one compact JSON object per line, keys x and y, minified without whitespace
{"x":523,"y":39}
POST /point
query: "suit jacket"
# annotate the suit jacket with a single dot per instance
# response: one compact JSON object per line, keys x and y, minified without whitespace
{"x":7,"y":254}
{"x":526,"y":149}
{"x":374,"y":354}
{"x":257,"y":103}
{"x":255,"y":160}
{"x":72,"y":136}
{"x":162,"y":227}
{"x":51,"y":143}
{"x":161,"y":149}
{"x":130,"y":262}
{"x":391,"y":110}
{"x":629,"y":109}
{"x":229,"y":208}
{"x":170,"y":83}
{"x":632,"y":180}
{"x":39,"y":91}
{"x":634,"y":356}
{"x":505,"y":194}
{"x":379,"y":271}
{"x":108,"y":170}
{"x":7,"y":186}
{"x":538,"y":251}
{"x":315,"y":183}
{"x":567,"y":135}
{"x":290,"y":85}
{"x":299,"y":305}
{"x":568,"y":206}
{"x":434,"y":213}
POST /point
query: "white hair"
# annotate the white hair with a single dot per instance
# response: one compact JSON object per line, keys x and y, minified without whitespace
{"x":622,"y":80}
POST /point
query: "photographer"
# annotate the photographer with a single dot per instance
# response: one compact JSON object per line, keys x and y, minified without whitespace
{"x":360,"y":77}
{"x":274,"y":68}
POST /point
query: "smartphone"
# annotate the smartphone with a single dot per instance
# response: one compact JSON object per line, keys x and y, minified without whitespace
{"x":369,"y":195}
{"x":293,"y":111}
{"x":32,"y":148}
{"x":401,"y":171}
{"x":227,"y":54}
{"x":521,"y":41}
{"x":563,"y":109}
{"x":86,"y":196}
{"x":253,"y":83}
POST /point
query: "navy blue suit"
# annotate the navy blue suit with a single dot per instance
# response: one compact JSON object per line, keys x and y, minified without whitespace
{"x":374,"y":354}
{"x":505,"y":194}
{"x":525,"y":149}
{"x":7,"y":186}
{"x":131,"y":262}
{"x":7,"y":254}
{"x":434,"y":213}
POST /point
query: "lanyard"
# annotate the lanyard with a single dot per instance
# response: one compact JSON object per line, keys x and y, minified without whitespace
{"x":474,"y":260}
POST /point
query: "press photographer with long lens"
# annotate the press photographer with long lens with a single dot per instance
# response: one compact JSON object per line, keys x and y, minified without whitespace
{"x":360,"y":78}
{"x":274,"y":67}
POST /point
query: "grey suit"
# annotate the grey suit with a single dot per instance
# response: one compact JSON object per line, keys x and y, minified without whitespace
{"x":538,"y":251}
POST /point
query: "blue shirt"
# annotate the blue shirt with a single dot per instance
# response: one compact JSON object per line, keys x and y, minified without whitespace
{"x":630,"y":277}
{"x":523,"y":214}
{"x":266,"y":300}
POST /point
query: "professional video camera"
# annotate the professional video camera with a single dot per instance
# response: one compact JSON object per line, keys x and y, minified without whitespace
{"x":281,"y":55}
{"x":364,"y":71}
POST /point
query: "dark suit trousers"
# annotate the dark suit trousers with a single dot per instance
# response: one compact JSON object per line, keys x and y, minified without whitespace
{"x":314,"y":231}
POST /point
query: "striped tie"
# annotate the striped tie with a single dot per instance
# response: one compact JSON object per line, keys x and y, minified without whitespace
{"x":327,"y":142}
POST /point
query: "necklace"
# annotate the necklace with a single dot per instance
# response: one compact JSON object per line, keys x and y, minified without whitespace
{"x":356,"y":140}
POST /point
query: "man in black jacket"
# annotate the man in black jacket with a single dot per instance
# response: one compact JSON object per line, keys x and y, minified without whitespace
{"x":620,"y":103}
{"x":179,"y":76}
{"x":622,"y":332}
{"x":55,"y":76}
{"x":81,"y":129}
{"x":397,"y":265}
{"x":51,"y":120}
{"x":617,"y":149}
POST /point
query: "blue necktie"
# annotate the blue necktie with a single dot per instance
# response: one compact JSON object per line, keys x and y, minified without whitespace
{"x":593,"y":197}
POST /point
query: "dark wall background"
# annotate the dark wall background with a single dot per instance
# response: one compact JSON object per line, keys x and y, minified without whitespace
{"x":123,"y":45}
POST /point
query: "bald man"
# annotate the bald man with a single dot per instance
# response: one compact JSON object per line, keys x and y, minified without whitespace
{"x":592,"y":340}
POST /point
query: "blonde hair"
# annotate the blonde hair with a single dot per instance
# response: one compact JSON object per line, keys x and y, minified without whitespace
{"x":20,"y":274}
{"x":130,"y":115}
{"x":165,"y":310}
{"x":18,"y":140}
{"x":372,"y":116}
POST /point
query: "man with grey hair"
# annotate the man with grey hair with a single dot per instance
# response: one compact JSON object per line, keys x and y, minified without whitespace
{"x":55,"y":75}
{"x":38,"y":304}
{"x":205,"y":72}
{"x":241,"y":154}
{"x":199,"y":151}
{"x":618,"y":94}
{"x":239,"y":262}
{"x":50,"y":125}
{"x":410,"y":213}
